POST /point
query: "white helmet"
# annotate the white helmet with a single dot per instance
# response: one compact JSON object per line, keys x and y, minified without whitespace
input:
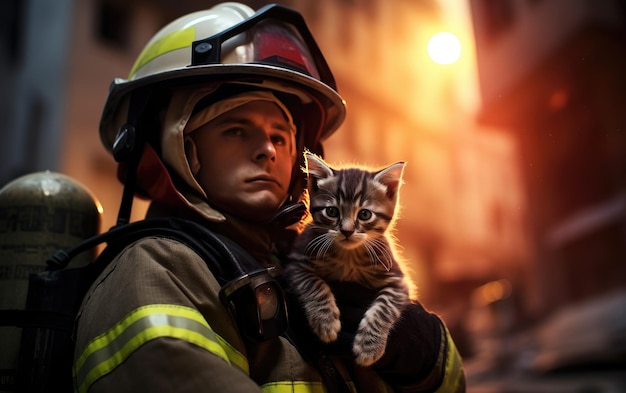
{"x":230,"y":43}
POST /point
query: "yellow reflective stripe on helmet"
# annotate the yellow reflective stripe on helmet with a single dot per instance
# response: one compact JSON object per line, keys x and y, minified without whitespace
{"x":293,"y":387}
{"x":107,"y":351}
{"x":175,"y":40}
{"x":454,"y":376}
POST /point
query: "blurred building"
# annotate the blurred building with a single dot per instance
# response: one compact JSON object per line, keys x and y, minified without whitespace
{"x":552,"y":78}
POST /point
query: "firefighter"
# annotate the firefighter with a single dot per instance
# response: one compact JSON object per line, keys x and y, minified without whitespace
{"x":222,"y":103}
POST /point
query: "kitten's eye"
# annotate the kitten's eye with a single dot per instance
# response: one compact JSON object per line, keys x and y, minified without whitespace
{"x":332,"y":211}
{"x":365,"y":215}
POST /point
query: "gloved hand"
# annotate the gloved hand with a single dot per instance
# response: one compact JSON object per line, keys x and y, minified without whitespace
{"x":414,"y":343}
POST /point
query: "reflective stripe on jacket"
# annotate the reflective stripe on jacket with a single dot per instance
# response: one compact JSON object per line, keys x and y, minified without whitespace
{"x":453,"y":379}
{"x":142,"y":325}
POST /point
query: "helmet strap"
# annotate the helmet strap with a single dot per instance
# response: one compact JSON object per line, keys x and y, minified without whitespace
{"x":127,"y":150}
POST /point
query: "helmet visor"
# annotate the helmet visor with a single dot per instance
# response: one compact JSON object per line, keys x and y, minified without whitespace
{"x":275,"y":36}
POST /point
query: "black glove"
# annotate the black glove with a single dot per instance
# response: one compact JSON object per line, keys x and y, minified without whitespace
{"x":413,"y":345}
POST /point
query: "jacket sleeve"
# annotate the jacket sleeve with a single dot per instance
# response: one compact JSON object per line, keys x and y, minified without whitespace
{"x":153,"y":322}
{"x":420,"y":355}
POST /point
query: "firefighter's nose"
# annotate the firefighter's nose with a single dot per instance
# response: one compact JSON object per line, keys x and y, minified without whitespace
{"x":265,"y":150}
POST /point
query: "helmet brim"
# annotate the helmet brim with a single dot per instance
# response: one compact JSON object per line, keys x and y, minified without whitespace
{"x":333,"y":106}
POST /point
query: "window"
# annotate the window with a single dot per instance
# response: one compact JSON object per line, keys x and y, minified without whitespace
{"x":11,"y":23}
{"x":112,"y":23}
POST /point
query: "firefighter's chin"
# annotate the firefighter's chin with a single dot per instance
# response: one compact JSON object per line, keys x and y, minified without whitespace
{"x":258,"y":206}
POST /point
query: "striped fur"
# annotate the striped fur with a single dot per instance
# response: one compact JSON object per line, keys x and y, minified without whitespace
{"x":348,"y":240}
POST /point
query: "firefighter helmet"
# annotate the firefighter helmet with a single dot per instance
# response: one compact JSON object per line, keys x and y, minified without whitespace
{"x":230,"y":43}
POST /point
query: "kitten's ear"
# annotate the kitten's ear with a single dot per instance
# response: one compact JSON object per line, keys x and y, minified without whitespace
{"x":391,"y":177}
{"x":316,"y":167}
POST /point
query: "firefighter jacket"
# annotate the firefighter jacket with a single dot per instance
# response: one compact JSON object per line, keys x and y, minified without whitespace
{"x":153,"y":321}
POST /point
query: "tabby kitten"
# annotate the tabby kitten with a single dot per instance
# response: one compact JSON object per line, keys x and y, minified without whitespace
{"x":347,"y":242}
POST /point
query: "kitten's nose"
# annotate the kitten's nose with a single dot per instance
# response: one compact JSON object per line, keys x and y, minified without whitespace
{"x":347,"y":233}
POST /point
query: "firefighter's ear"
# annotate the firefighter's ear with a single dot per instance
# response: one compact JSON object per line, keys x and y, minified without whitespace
{"x":191,"y":152}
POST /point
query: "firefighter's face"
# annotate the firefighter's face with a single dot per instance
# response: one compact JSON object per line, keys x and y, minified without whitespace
{"x":243,"y":160}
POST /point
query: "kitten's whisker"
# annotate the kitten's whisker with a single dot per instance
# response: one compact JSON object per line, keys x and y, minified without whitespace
{"x":319,"y":246}
{"x":315,"y":244}
{"x":383,"y":255}
{"x":372,"y":254}
{"x":325,"y":247}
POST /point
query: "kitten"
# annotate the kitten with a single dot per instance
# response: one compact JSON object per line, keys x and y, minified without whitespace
{"x":352,"y":209}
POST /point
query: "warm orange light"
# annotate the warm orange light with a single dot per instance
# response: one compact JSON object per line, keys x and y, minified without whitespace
{"x":444,"y":48}
{"x":492,"y":292}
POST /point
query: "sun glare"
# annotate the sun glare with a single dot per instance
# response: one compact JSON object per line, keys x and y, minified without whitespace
{"x":444,"y":48}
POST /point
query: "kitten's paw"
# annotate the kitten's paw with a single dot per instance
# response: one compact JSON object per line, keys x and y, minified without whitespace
{"x":327,"y":329}
{"x":325,"y":323}
{"x":368,"y":347}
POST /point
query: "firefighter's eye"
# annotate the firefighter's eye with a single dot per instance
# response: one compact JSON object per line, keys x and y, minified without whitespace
{"x":233,"y":131}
